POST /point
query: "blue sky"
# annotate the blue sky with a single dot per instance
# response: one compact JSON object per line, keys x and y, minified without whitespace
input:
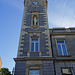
{"x":61,"y":13}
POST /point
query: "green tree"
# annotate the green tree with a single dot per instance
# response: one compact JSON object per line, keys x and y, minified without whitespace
{"x":5,"y":71}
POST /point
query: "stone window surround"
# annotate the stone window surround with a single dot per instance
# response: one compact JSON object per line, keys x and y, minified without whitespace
{"x":34,"y":65}
{"x":32,"y":36}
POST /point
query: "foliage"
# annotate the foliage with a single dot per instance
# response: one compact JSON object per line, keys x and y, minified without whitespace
{"x":5,"y":71}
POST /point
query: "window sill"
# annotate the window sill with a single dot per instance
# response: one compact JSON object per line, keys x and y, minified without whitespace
{"x":35,"y":52}
{"x":64,"y":56}
{"x":35,"y":26}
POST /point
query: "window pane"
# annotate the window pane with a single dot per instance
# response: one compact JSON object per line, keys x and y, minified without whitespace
{"x":34,"y":72}
{"x":64,"y":50}
{"x":72,"y":30}
{"x":32,"y":46}
{"x":59,"y":50}
{"x":67,"y":71}
{"x":60,"y":42}
{"x":37,"y":47}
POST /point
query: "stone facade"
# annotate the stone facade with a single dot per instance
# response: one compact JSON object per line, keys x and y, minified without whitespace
{"x":63,"y":61}
{"x":47,"y":59}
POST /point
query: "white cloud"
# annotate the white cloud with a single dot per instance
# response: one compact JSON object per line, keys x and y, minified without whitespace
{"x":58,"y":21}
{"x":60,"y":15}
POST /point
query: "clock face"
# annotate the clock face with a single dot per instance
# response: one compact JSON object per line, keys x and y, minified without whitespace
{"x":35,"y":2}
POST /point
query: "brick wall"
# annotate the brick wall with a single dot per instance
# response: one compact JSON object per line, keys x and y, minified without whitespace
{"x":0,"y":63}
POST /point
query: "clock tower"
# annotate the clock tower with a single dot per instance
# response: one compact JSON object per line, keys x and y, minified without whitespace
{"x":34,"y":51}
